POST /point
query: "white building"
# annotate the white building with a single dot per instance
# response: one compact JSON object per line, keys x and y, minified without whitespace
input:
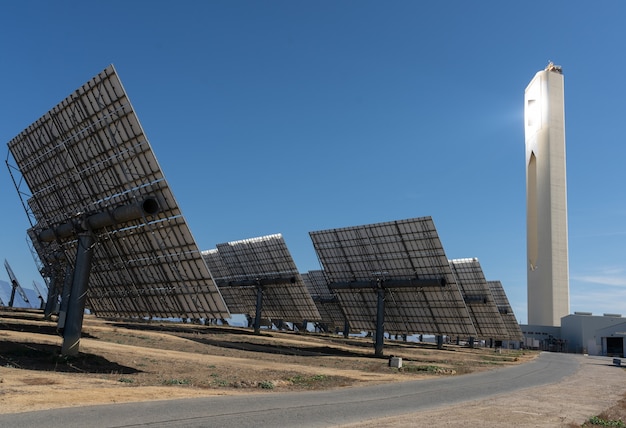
{"x":580,"y":333}
{"x":585,"y":333}
{"x":546,"y":199}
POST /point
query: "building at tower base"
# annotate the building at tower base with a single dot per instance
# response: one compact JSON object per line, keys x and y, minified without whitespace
{"x":546,"y":199}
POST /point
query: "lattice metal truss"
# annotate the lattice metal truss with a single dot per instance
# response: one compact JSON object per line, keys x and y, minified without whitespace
{"x":52,"y":264}
{"x":326,"y":301}
{"x":514,"y":332}
{"x":88,"y":155}
{"x":381,"y":253}
{"x":238,"y":267}
{"x":478,"y":298}
{"x":15,"y":284}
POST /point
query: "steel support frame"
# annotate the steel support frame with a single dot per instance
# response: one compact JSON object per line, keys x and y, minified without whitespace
{"x":258,"y":309}
{"x":380,"y":322}
{"x":75,"y":287}
{"x":76,"y":304}
{"x":260,"y":284}
{"x":12,"y":298}
{"x":380,"y":285}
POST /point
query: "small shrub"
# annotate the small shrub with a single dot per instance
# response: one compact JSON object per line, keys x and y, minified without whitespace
{"x":126,"y":380}
{"x":177,"y":382}
{"x":493,"y":359}
{"x":266,"y":384}
{"x":428,"y":369}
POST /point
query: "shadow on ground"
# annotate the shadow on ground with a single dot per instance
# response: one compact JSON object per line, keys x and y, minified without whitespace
{"x":48,"y":329}
{"x":201,"y":335}
{"x":43,"y":357}
{"x":11,"y":321}
{"x":312,"y":351}
{"x":210,"y":335}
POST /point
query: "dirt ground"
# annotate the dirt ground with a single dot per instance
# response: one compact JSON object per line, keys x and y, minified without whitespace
{"x":597,"y":389}
{"x":129,"y":361}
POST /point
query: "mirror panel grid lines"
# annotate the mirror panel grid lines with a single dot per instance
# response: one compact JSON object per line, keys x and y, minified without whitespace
{"x":90,"y":169}
{"x":478,"y":299}
{"x":506,"y":311}
{"x":397,"y":252}
{"x":241,"y":267}
{"x":326,"y":301}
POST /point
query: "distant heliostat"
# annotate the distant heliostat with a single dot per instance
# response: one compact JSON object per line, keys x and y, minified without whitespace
{"x":258,"y":277}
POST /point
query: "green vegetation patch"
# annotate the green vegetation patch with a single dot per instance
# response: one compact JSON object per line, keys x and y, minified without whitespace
{"x":308,"y":381}
{"x":431,"y":369}
{"x":598,"y":421}
{"x":500,"y":358}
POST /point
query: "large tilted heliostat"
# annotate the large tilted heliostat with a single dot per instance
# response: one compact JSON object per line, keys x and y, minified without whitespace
{"x":393,"y":277}
{"x":105,"y":224}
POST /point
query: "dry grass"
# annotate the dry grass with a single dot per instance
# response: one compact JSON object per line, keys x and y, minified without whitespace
{"x":235,"y":357}
{"x":124,"y":361}
{"x":129,"y":361}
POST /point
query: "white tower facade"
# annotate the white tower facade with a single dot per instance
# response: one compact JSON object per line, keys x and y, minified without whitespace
{"x":546,"y":199}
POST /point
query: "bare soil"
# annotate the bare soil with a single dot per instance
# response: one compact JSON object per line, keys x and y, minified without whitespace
{"x":124,"y":361}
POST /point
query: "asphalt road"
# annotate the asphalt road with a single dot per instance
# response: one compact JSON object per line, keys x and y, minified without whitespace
{"x":306,"y":409}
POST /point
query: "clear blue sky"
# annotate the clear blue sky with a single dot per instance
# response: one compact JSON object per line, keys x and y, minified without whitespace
{"x":292,"y":116}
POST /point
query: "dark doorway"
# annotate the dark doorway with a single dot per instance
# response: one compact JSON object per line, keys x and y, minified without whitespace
{"x":615,"y":347}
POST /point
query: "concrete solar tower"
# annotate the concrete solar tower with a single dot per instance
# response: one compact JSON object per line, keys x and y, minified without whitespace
{"x":546,"y":198}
